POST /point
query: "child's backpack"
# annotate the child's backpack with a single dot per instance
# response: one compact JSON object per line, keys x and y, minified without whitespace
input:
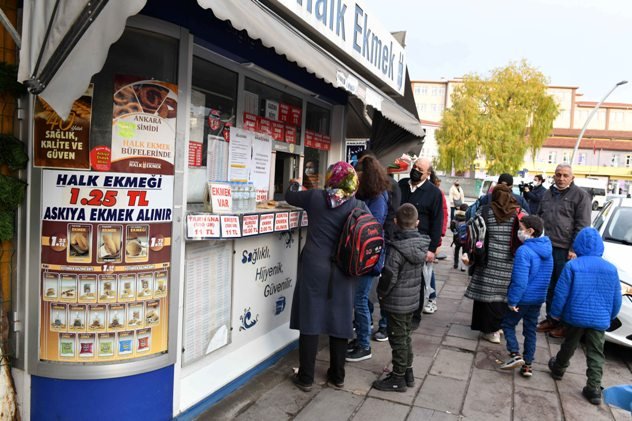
{"x":477,"y":239}
{"x":360,"y":245}
{"x":461,"y":233}
{"x":471,"y":210}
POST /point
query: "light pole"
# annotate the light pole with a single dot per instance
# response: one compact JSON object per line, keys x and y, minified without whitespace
{"x":592,"y":113}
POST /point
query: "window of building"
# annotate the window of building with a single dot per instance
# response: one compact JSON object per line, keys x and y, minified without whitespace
{"x":441,"y":91}
{"x":433,"y":107}
{"x":433,"y":92}
{"x":552,"y":157}
{"x":417,"y":90}
{"x":565,"y":157}
{"x":614,"y":161}
{"x":628,"y":161}
{"x":424,"y":90}
{"x":581,"y":159}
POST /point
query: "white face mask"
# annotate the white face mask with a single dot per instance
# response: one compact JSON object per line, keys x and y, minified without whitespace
{"x":523,"y":236}
{"x":309,"y":171}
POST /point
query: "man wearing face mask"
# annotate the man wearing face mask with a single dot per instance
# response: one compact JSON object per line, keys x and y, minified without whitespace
{"x":534,"y":197}
{"x":565,"y":210}
{"x":456,"y":196}
{"x":427,"y":198}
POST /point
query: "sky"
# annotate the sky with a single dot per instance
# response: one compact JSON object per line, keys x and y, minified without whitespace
{"x":582,"y":43}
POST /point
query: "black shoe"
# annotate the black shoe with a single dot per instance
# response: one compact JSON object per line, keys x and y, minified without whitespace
{"x":298,"y":383}
{"x":556,"y":373}
{"x":391,"y":383}
{"x":455,"y":266}
{"x":592,"y":395}
{"x":337,"y":384}
{"x":358,"y":354}
{"x":380,"y":335}
{"x":409,"y":377}
{"x":352,"y":345}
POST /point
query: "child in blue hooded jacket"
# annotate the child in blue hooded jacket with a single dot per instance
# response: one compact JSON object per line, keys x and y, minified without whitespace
{"x":532,"y":268}
{"x":587,"y":298}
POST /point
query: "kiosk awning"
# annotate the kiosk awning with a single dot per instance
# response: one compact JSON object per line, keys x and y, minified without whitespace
{"x":65,"y":42}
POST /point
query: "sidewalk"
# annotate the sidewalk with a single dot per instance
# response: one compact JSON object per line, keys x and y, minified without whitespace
{"x":456,"y":378}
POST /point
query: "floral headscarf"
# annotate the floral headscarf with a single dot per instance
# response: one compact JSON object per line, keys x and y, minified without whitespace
{"x":341,"y":183}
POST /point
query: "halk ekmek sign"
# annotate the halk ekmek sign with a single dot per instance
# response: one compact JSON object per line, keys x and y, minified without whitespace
{"x":352,"y":28}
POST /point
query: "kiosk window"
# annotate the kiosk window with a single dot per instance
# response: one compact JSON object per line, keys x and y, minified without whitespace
{"x":213,"y":107}
{"x":317,"y":143}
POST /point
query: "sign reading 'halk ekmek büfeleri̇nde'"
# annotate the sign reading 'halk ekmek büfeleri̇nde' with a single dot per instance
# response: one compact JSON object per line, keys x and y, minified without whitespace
{"x":355,"y":30}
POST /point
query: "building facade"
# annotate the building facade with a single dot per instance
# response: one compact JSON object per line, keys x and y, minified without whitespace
{"x":605,"y":151}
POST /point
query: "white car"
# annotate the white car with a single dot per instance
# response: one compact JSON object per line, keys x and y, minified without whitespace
{"x":614,"y":223}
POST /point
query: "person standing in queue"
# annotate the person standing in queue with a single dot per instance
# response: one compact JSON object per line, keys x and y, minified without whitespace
{"x":373,"y":190}
{"x":427,"y":198}
{"x":565,"y":210}
{"x":317,"y":310}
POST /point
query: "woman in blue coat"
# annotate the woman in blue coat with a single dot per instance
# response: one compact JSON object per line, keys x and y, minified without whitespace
{"x":324,"y":306}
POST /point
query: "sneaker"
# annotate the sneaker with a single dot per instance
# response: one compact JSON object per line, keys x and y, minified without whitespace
{"x":391,"y":383}
{"x":409,"y":377}
{"x":556,"y":373}
{"x":380,"y":335}
{"x":430,"y":307}
{"x":514,"y":361}
{"x":526,"y":370}
{"x":352,"y":345}
{"x":298,"y":383}
{"x":493,"y":337}
{"x":546,"y":326}
{"x":592,"y":395}
{"x":358,"y":354}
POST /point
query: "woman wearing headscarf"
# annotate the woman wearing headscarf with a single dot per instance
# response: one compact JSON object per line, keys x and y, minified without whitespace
{"x":373,"y":190}
{"x":490,"y":280}
{"x":323,"y":296}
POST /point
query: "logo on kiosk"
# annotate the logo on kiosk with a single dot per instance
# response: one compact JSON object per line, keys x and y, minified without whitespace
{"x":260,"y":253}
{"x":279,"y":305}
{"x":247,"y":319}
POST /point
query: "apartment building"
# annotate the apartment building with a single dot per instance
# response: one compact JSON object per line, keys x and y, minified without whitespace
{"x":605,"y":150}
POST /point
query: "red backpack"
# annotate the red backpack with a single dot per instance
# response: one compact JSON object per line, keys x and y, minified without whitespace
{"x":360,"y":245}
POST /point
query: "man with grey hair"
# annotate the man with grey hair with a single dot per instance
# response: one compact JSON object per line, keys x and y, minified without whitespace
{"x":427,"y":198}
{"x":565,"y":210}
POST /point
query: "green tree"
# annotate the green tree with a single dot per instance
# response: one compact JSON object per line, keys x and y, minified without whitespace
{"x":500,"y":118}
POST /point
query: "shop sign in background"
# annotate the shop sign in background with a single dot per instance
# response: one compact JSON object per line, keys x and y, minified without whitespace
{"x":105,"y":265}
{"x":264,"y":270}
{"x":353,"y":148}
{"x":63,"y":144}
{"x":144,"y":126}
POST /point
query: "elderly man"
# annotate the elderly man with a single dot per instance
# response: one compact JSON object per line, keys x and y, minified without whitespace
{"x":565,"y":209}
{"x":428,"y":200}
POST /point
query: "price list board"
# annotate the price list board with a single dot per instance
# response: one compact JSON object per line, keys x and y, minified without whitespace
{"x":105,"y":265}
{"x":207,"y":300}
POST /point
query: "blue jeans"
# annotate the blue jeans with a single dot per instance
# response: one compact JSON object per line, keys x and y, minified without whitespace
{"x":361,"y":313}
{"x":529,"y":315}
{"x":381,"y":324}
{"x":433,"y":294}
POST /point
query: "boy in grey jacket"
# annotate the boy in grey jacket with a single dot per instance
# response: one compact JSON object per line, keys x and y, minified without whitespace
{"x":399,"y":290}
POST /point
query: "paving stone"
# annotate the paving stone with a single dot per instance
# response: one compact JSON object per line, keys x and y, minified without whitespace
{"x":425,"y":345}
{"x":432,"y":329}
{"x":620,"y":414}
{"x":421,"y":365}
{"x":441,"y":393}
{"x":489,"y":396}
{"x":462,"y":318}
{"x":423,"y":414}
{"x":406,"y":397}
{"x":453,"y":364}
{"x":541,"y":380}
{"x":489,"y":359}
{"x":357,"y":380}
{"x":574,"y":405}
{"x":536,"y":405}
{"x":330,"y":405}
{"x":280,"y":403}
{"x":378,"y":410}
{"x":462,"y":331}
{"x":461,"y":343}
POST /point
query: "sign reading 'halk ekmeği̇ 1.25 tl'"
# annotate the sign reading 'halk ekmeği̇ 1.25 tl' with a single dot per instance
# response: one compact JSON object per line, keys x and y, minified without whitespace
{"x":352,"y":28}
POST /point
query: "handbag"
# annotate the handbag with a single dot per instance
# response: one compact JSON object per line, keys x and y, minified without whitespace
{"x":457,"y":203}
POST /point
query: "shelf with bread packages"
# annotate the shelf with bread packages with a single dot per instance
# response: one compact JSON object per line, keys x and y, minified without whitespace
{"x":203,"y":223}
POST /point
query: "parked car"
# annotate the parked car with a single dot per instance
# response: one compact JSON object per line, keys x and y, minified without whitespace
{"x":614,"y":223}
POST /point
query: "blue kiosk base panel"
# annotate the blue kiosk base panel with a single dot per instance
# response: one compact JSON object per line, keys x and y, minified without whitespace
{"x":147,"y":396}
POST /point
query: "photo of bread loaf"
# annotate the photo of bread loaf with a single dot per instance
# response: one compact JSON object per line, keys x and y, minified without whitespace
{"x":79,"y":242}
{"x":110,"y":243}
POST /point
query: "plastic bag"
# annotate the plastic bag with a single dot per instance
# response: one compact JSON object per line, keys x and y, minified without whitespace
{"x":427,"y":273}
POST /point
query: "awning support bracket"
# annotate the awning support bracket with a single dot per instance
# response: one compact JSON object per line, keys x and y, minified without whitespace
{"x":37,"y":83}
{"x":10,"y":29}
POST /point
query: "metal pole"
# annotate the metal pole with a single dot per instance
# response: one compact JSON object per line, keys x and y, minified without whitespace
{"x":592,"y":113}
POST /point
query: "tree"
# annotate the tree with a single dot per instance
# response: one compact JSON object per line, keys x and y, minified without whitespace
{"x":500,"y":118}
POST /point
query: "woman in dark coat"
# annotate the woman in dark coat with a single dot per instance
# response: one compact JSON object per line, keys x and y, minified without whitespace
{"x":317,"y":310}
{"x":489,"y":283}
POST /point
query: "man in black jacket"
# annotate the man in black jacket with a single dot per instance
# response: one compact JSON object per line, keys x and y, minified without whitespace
{"x":426,"y":197}
{"x":534,"y":197}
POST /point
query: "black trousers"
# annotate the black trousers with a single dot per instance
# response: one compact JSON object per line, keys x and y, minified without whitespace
{"x":307,"y":350}
{"x":560,"y":257}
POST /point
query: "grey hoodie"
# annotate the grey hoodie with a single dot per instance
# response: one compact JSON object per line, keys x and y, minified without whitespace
{"x":400,"y":283}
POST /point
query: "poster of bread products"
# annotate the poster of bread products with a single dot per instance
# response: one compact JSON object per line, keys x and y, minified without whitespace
{"x":105,"y":265}
{"x":143,"y":126}
{"x":61,"y":143}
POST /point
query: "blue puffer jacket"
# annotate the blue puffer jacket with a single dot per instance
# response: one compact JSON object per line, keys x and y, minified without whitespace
{"x":588,"y":293}
{"x":532,"y":268}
